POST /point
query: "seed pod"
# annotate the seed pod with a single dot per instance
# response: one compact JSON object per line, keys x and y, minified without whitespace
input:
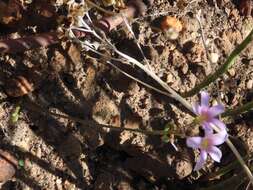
{"x":18,"y":86}
{"x":7,"y":165}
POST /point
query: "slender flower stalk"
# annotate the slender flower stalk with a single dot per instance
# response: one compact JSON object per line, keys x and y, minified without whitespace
{"x":238,"y":110}
{"x":180,"y":98}
{"x":239,"y":158}
{"x":223,"y":68}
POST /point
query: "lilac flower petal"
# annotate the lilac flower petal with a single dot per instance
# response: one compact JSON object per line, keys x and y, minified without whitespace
{"x":195,"y":108}
{"x":207,"y":128}
{"x":201,"y":160}
{"x":215,"y":153}
{"x":203,"y":110}
{"x":193,"y":142}
{"x":219,"y":124}
{"x":205,"y":99}
{"x":216,"y":110}
{"x":218,"y":138}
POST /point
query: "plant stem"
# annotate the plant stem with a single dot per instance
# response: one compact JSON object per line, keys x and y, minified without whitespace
{"x":184,"y":102}
{"x":94,"y":124}
{"x":238,"y":156}
{"x":239,"y":110}
{"x":139,"y":81}
{"x":177,"y":96}
{"x":173,"y":94}
{"x":91,"y":123}
{"x":223,"y":68}
{"x":240,"y":159}
{"x":224,"y":170}
{"x":99,"y":8}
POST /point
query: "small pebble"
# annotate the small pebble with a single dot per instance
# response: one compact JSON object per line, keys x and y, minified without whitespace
{"x":250,"y":84}
{"x":214,"y":57}
{"x":185,"y":68}
{"x":169,"y":78}
{"x":58,"y":181}
{"x":214,"y":102}
{"x":222,"y":95}
{"x":231,"y":72}
{"x":183,"y":168}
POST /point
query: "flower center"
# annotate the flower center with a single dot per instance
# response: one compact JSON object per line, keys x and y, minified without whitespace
{"x":201,"y":118}
{"x":204,"y":117}
{"x":204,"y":144}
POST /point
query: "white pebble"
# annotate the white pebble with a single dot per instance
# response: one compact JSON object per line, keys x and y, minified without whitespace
{"x":214,"y":57}
{"x":250,"y":84}
{"x":231,"y":72}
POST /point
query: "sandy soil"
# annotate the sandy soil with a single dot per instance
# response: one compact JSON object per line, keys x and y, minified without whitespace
{"x":61,"y":154}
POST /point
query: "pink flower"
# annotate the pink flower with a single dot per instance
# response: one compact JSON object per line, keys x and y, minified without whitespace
{"x":207,"y":115}
{"x":207,"y":145}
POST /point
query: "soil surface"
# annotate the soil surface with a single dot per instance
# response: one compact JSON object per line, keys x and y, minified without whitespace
{"x":59,"y":153}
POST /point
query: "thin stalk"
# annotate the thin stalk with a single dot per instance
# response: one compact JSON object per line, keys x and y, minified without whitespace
{"x":231,"y":183}
{"x":183,"y":101}
{"x":177,"y":96}
{"x":99,"y":8}
{"x":240,"y":159}
{"x":223,"y":68}
{"x":224,"y":170}
{"x":203,"y":39}
{"x":238,"y":156}
{"x":139,"y":81}
{"x":248,"y":186}
{"x":135,"y":39}
{"x":91,"y":123}
{"x":239,"y":110}
{"x":173,"y":93}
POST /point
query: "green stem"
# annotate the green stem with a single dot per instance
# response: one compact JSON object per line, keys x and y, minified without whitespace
{"x":224,"y":170}
{"x":223,"y":68}
{"x":90,"y":123}
{"x":94,"y":124}
{"x":238,"y":156}
{"x":239,"y":110}
{"x":157,"y":132}
{"x":240,"y":159}
{"x":181,"y":99}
